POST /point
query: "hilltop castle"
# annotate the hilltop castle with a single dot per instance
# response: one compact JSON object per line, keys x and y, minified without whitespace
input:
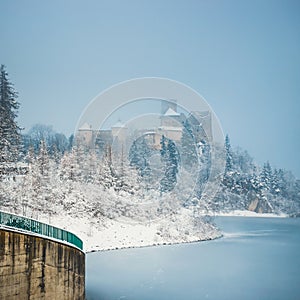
{"x":171,"y":126}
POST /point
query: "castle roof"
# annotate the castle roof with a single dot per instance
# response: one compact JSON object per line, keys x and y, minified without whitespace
{"x":85,"y":126}
{"x":171,"y":112}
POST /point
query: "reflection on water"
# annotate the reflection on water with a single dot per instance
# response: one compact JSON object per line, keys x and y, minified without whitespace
{"x":258,"y":258}
{"x":254,"y":233}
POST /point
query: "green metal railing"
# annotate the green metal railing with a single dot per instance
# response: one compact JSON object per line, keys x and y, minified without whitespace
{"x":31,"y":225}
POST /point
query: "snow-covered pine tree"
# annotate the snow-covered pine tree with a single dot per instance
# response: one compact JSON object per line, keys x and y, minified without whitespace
{"x":139,"y":157}
{"x":275,"y":190}
{"x":93,"y":161}
{"x":230,"y":176}
{"x":189,"y":157}
{"x":163,"y":148}
{"x":204,"y":166}
{"x":69,"y":168}
{"x":282,"y":183}
{"x":126,"y":175}
{"x":120,"y":170}
{"x":229,"y":162}
{"x":266,"y":176}
{"x":106,"y":172}
{"x":171,"y":159}
{"x":9,"y":129}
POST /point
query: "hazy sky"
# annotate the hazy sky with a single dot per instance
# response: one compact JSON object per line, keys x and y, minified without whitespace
{"x":243,"y":57}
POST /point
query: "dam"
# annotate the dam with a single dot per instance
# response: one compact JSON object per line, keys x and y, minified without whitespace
{"x":39,"y":261}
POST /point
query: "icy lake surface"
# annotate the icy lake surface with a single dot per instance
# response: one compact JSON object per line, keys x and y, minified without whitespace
{"x":258,"y":258}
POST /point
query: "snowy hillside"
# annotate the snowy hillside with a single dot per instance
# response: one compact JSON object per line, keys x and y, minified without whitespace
{"x":106,"y":219}
{"x":123,"y":232}
{"x":110,"y":203}
{"x":106,"y":207}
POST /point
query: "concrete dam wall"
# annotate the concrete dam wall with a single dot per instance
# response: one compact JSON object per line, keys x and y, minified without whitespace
{"x":33,"y":267}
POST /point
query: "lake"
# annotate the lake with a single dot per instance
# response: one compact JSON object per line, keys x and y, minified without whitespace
{"x":258,"y":258}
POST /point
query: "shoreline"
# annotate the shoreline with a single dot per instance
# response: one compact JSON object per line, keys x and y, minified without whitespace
{"x":216,"y":235}
{"x":158,"y":245}
{"x":104,"y":235}
{"x":125,"y":236}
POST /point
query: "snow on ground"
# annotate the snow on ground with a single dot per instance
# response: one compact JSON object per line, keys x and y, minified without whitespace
{"x":106,"y":234}
{"x":124,"y":233}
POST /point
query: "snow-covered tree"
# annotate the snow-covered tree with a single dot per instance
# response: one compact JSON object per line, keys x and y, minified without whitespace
{"x":229,"y":162}
{"x":204,"y":166}
{"x":266,"y":176}
{"x":139,"y":156}
{"x":69,"y":167}
{"x":189,"y":157}
{"x":170,"y":157}
{"x":106,"y":172}
{"x":9,"y":129}
{"x":126,"y":175}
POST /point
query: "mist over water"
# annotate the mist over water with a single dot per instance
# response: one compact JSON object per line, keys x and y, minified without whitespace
{"x":258,"y":258}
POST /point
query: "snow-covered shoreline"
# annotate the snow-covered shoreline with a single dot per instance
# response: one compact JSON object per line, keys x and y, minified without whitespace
{"x":111,"y":234}
{"x":158,"y":244}
{"x":120,"y":233}
{"x":123,"y":232}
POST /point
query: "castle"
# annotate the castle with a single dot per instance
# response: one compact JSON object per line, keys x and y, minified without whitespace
{"x":170,"y":125}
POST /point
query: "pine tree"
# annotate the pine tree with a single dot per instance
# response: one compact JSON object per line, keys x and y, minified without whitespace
{"x":229,"y":162}
{"x":139,"y":155}
{"x":106,"y":172}
{"x":189,"y":157}
{"x":9,"y":130}
{"x":171,"y":159}
{"x":266,"y":176}
{"x":163,"y":148}
{"x":70,"y":169}
{"x":282,"y":183}
{"x":126,"y":175}
{"x":229,"y":179}
{"x":204,"y":165}
{"x":275,"y":190}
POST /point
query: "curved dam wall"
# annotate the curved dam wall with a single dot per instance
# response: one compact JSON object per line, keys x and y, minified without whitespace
{"x":33,"y":267}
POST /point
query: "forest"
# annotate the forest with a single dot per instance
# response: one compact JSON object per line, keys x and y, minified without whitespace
{"x":43,"y":171}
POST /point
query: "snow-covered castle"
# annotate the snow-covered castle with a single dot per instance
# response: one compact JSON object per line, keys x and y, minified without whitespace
{"x":171,"y":126}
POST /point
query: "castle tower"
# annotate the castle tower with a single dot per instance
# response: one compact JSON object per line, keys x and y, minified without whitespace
{"x":85,"y":135}
{"x":166,"y":104}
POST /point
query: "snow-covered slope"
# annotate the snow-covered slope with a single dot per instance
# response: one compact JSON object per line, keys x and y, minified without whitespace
{"x":107,"y":219}
{"x":123,"y":232}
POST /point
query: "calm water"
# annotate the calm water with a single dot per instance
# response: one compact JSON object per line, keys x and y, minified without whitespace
{"x":259,"y":258}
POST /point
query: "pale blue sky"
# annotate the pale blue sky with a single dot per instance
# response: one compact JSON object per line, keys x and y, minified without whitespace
{"x":241,"y":56}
